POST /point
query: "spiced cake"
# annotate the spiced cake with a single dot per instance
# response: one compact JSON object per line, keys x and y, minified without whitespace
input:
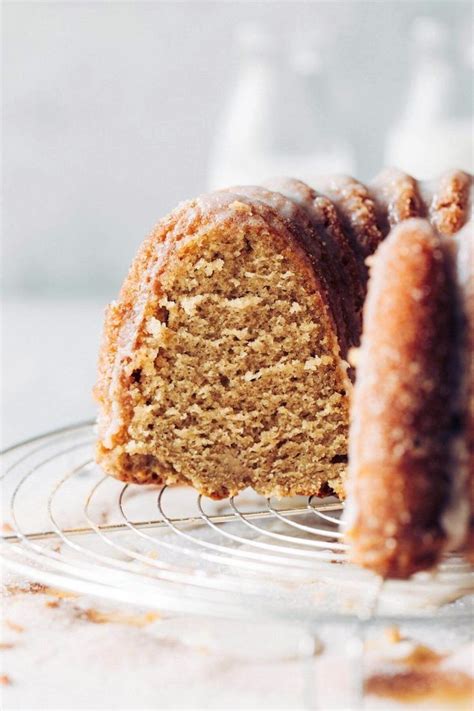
{"x":224,"y":361}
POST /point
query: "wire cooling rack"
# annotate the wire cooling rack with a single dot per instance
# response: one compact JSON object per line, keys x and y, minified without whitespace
{"x":66,"y":524}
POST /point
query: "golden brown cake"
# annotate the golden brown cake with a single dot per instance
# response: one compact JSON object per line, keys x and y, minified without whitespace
{"x":397,"y":197}
{"x":405,"y":418}
{"x":224,"y":360}
{"x":356,"y":207}
{"x":221,"y":365}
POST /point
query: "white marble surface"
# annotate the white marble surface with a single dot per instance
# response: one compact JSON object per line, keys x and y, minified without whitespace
{"x":84,"y":653}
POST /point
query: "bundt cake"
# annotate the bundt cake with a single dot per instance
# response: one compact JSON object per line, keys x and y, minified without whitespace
{"x":405,"y":415}
{"x":224,"y":362}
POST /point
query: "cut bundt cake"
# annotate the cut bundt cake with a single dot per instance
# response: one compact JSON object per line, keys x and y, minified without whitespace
{"x":224,"y":360}
{"x":407,"y":498}
{"x":221,"y":364}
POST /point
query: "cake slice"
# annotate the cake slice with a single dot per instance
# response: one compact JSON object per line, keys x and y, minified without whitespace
{"x":221,"y":364}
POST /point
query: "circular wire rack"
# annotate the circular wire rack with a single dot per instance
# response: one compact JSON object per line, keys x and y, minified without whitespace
{"x":66,"y":524}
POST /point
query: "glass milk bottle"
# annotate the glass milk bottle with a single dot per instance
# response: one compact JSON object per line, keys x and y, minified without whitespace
{"x":430,"y":136}
{"x":278,"y":119}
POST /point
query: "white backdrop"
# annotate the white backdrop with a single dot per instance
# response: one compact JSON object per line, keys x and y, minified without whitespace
{"x":110,"y":108}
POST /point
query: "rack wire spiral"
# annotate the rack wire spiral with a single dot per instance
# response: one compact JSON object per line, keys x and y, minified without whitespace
{"x":68,"y":525}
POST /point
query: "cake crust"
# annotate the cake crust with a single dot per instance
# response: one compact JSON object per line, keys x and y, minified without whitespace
{"x":465,"y":270}
{"x":405,"y":418}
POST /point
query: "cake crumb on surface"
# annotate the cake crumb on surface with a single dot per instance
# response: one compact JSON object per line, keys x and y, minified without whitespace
{"x":99,"y":617}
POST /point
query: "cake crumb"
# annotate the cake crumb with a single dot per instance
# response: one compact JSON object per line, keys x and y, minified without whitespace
{"x":14,"y":626}
{"x":449,"y":688}
{"x":393,"y":634}
{"x":100,"y":618}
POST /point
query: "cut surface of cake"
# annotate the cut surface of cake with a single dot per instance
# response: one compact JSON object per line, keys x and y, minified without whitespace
{"x":221,"y":365}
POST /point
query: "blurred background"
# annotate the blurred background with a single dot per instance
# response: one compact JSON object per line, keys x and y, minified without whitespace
{"x":113,"y":112}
